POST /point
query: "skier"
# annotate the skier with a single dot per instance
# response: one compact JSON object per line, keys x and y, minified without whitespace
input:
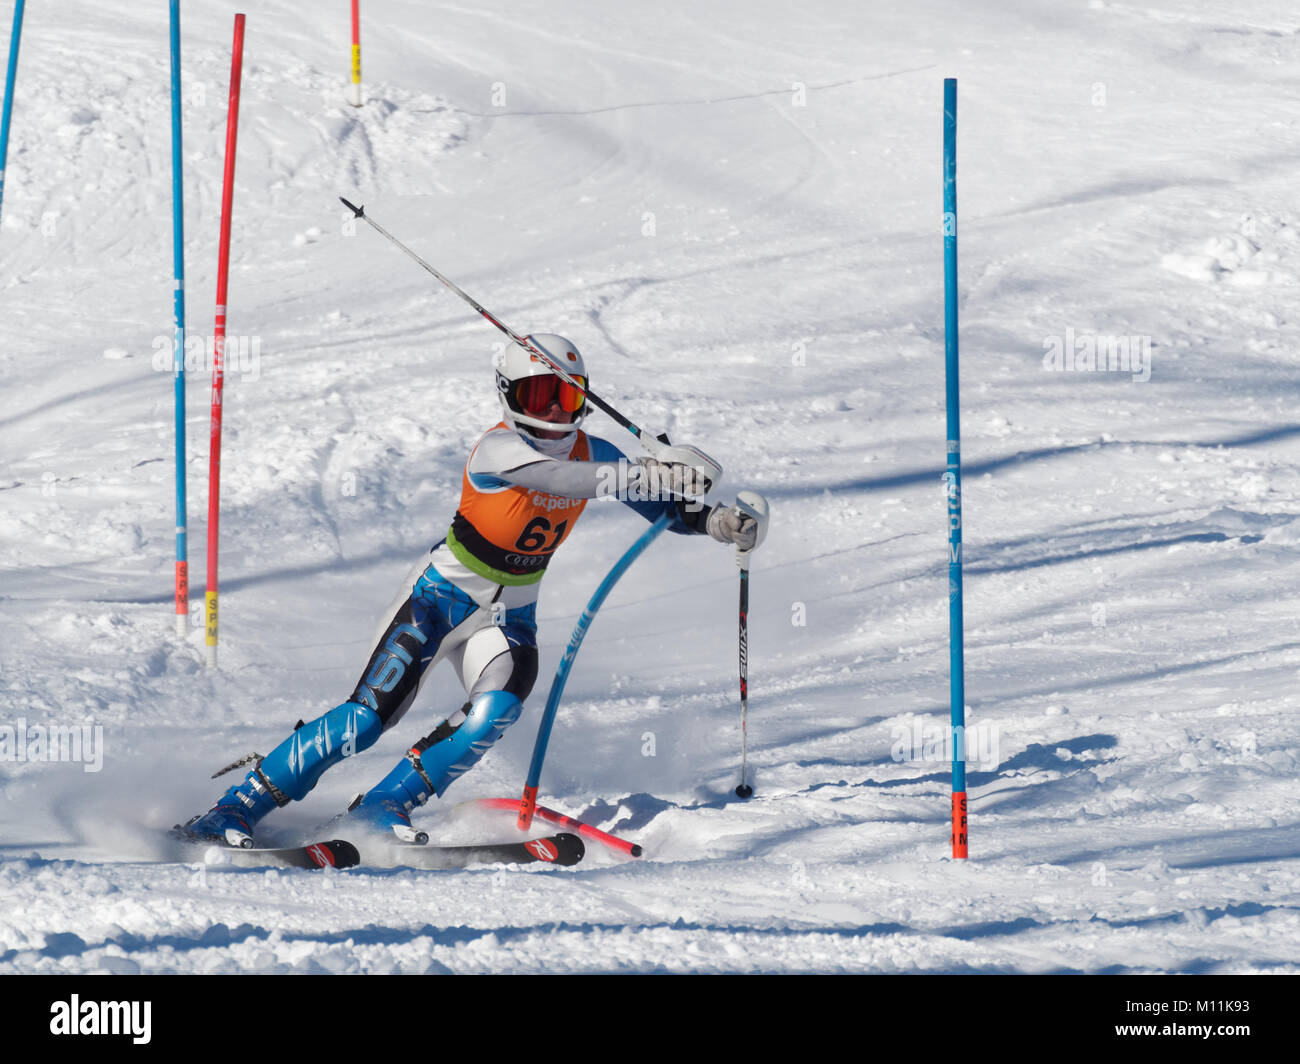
{"x":473,"y":599}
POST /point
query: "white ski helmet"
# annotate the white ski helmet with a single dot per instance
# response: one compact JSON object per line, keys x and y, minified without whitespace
{"x":528,"y":386}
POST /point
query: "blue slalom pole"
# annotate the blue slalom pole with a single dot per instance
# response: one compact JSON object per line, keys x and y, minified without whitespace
{"x":952,"y":475}
{"x":182,"y":591}
{"x":528,"y":803}
{"x":10,"y":77}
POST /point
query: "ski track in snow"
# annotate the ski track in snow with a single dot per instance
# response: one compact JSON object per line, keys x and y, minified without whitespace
{"x":754,"y":270}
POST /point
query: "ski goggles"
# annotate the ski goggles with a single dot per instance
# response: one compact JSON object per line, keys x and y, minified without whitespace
{"x":535,"y":394}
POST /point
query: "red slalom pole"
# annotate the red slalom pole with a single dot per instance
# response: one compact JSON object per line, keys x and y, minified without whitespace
{"x":219,"y":343}
{"x":576,"y":826}
{"x":356,"y":54}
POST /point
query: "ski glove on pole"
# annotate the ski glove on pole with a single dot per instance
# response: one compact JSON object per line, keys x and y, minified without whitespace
{"x":730,"y":524}
{"x":662,"y":479}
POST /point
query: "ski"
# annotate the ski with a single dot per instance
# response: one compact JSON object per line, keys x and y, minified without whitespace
{"x":562,"y":849}
{"x":336,"y":853}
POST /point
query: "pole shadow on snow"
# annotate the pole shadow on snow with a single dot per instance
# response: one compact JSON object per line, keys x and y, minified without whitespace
{"x":99,"y":391}
{"x":1156,"y":672}
{"x":932,"y":475}
{"x":1140,"y":540}
{"x":1036,"y":757}
{"x":1122,"y":548}
{"x":1000,"y":928}
{"x":327,"y":566}
{"x":1124,"y":188}
{"x":1232,"y":846}
{"x":63,"y":945}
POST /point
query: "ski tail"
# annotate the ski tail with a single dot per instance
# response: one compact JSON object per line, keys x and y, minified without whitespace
{"x":335,"y":853}
{"x":562,"y":849}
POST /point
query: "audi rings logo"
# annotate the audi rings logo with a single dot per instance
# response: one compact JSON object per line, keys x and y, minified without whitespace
{"x":526,"y":559}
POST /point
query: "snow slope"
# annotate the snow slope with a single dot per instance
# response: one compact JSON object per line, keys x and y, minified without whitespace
{"x":733,"y":208}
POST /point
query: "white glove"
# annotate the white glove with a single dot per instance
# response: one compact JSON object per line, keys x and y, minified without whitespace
{"x":662,"y":480}
{"x":730,"y":524}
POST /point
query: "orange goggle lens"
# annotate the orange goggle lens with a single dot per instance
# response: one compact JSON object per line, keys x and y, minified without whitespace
{"x":535,"y":394}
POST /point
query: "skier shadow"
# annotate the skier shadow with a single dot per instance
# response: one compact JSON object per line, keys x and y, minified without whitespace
{"x":636,"y":811}
{"x":642,"y":808}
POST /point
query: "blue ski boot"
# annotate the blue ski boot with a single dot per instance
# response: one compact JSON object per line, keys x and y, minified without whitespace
{"x":286,"y":774}
{"x":386,"y":806}
{"x":231,"y":820}
{"x":434,"y":763}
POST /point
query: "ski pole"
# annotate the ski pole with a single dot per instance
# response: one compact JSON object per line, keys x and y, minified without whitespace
{"x":528,"y":803}
{"x":744,"y":790}
{"x":658,"y":448}
{"x":754,"y":506}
